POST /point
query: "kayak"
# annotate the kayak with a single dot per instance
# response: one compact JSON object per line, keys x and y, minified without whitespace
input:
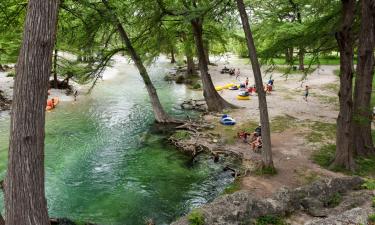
{"x":239,"y":97}
{"x":218,"y":88}
{"x":55,"y":102}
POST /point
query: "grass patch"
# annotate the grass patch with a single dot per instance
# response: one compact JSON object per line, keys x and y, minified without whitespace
{"x":321,"y":132}
{"x":282,"y":123}
{"x":334,"y":200}
{"x":307,"y":176}
{"x":332,"y":87}
{"x":196,"y":217}
{"x":324,"y":155}
{"x":330,"y":100}
{"x":181,"y":135}
{"x":270,"y":220}
{"x":229,"y":133}
{"x":291,"y":70}
{"x":266,"y":171}
{"x":365,"y":167}
{"x":233,"y":187}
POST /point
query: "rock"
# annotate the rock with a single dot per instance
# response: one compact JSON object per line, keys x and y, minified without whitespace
{"x":353,"y":216}
{"x":243,"y":206}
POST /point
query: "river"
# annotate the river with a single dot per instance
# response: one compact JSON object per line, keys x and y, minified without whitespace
{"x":103,"y":166}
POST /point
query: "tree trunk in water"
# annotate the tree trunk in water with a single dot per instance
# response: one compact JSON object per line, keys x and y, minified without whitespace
{"x":55,"y":81}
{"x":363,"y":144}
{"x":266,"y":134}
{"x":190,"y":71}
{"x":301,"y":59}
{"x":173,"y":59}
{"x":25,"y":203}
{"x":344,"y":141}
{"x":214,"y":101}
{"x":160,"y":115}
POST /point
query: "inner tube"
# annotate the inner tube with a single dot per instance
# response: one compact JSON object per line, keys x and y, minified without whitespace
{"x":233,"y":88}
{"x":239,"y":97}
{"x":229,"y":86}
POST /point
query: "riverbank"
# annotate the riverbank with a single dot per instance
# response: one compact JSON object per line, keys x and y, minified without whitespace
{"x":299,"y":128}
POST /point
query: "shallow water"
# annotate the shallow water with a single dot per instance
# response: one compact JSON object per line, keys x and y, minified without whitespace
{"x":102,"y":165}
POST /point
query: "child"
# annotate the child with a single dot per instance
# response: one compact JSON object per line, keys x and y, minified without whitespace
{"x":247,"y":82}
{"x":306,"y":92}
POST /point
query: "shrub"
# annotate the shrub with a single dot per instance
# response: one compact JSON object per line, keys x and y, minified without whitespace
{"x":334,"y":200}
{"x":11,"y":74}
{"x":270,"y":220}
{"x":196,"y":218}
{"x":197,"y":86}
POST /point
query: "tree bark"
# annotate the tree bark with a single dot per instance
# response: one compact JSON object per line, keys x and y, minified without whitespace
{"x":55,"y":81}
{"x":206,"y":45}
{"x":173,"y":59}
{"x":301,"y":59}
{"x":2,"y":222}
{"x":289,"y":56}
{"x":344,"y":141}
{"x":214,"y":101}
{"x":363,"y":145}
{"x":160,"y":115}
{"x":190,"y":71}
{"x":25,"y":203}
{"x":266,"y":134}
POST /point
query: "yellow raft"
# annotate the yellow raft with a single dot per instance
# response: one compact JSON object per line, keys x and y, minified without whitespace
{"x":229,"y":86}
{"x":218,"y":88}
{"x":239,"y":97}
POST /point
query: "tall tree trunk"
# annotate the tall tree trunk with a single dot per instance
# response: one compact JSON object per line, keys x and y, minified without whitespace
{"x":344,"y":141}
{"x":55,"y":81}
{"x":206,"y":45}
{"x":363,"y":144}
{"x":289,"y":56}
{"x":2,"y":222}
{"x":190,"y":71}
{"x":301,"y":59}
{"x":160,"y":115}
{"x":266,"y":134}
{"x":214,"y":101}
{"x":25,"y":203}
{"x":173,"y":59}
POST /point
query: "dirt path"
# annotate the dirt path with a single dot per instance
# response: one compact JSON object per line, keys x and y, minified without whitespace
{"x":291,"y":150}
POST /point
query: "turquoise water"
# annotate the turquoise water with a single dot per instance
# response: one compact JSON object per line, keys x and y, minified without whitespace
{"x":103,"y":166}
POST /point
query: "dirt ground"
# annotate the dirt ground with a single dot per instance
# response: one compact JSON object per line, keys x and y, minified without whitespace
{"x":291,"y":150}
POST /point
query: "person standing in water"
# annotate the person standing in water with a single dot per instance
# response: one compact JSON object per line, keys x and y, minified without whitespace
{"x":306,"y":92}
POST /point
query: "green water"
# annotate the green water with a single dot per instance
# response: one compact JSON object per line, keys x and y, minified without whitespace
{"x":100,"y":167}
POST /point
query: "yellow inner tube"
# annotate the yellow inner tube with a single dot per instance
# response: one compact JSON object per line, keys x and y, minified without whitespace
{"x":239,"y":97}
{"x":218,"y":88}
{"x":228,"y":86}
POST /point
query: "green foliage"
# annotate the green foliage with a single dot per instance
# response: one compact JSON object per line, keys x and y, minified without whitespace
{"x":11,"y":74}
{"x":334,"y":200}
{"x":369,"y":184}
{"x":233,"y":187}
{"x":373,"y":202}
{"x":196,"y":86}
{"x":270,"y":220}
{"x":371,"y":218}
{"x":181,"y":135}
{"x":196,"y":217}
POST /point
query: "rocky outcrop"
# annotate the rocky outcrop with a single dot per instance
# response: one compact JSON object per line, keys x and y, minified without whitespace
{"x":353,"y":216}
{"x":243,"y":206}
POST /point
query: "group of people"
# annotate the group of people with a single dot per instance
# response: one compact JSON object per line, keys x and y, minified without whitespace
{"x":252,"y":88}
{"x":254,"y":139}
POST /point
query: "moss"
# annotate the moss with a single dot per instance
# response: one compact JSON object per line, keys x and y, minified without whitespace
{"x":196,"y":217}
{"x":270,"y":220}
{"x":233,"y":187}
{"x":181,"y":135}
{"x":335,"y":200}
{"x":282,"y":123}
